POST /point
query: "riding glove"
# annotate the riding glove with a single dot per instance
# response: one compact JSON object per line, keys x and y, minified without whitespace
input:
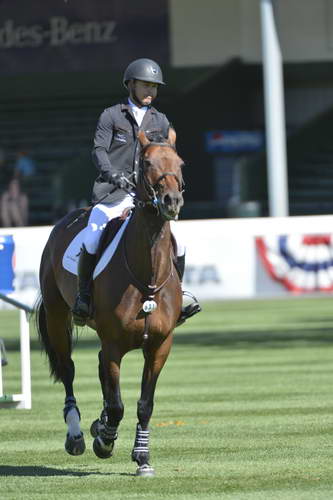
{"x":119,"y":181}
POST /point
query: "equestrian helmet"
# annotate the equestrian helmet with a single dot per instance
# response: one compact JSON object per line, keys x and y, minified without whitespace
{"x":145,"y":70}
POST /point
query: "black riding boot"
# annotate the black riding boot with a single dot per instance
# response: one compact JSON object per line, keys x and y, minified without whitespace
{"x":194,"y":307}
{"x":86,"y":266}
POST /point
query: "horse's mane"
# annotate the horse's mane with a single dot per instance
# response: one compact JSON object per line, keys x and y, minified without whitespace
{"x":156,"y":137}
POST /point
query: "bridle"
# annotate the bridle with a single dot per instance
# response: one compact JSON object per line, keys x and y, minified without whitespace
{"x":151,"y":199}
{"x":151,"y":191}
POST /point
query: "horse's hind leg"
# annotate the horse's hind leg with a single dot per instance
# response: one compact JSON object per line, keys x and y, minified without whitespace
{"x":55,"y":331}
{"x":104,"y":429}
{"x":155,"y":357}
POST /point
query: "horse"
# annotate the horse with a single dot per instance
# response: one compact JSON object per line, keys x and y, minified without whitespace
{"x":137,"y":300}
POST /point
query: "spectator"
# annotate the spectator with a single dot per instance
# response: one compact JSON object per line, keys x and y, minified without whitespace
{"x":14,"y":205}
{"x":24,"y":165}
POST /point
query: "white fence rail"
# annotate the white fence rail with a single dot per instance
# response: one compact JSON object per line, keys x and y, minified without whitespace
{"x":22,"y":400}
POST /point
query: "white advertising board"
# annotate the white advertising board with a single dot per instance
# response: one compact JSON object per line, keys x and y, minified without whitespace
{"x":219,"y":259}
{"x":29,"y":243}
{"x":222,"y":257}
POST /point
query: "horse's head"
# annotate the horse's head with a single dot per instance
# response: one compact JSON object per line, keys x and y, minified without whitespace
{"x":160,"y":181}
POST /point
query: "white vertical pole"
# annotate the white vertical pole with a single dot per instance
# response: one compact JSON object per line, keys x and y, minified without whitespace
{"x":274,"y":114}
{"x":25,"y":360}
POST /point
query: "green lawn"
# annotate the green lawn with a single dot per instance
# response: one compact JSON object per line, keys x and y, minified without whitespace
{"x":243,"y":410}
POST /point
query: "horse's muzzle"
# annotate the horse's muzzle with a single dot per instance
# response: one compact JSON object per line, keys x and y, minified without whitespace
{"x":170,"y":204}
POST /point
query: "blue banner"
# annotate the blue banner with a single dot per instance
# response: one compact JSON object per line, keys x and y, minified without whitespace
{"x":6,"y":264}
{"x":234,"y":141}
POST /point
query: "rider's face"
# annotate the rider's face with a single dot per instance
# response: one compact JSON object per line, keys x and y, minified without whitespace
{"x":142,"y":93}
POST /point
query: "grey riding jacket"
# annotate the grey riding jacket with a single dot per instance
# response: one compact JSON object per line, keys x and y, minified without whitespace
{"x":117,"y":149}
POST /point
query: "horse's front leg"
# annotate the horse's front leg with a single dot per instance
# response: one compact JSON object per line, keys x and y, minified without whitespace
{"x":104,"y":429}
{"x":74,"y":443}
{"x":155,"y":357}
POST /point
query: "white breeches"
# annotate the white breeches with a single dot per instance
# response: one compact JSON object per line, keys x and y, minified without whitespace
{"x":101,"y":214}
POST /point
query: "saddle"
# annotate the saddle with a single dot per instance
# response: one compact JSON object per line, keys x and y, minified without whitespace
{"x":106,"y":248}
{"x":110,"y":231}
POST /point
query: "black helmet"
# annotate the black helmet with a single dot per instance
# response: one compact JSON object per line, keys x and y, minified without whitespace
{"x":145,"y":70}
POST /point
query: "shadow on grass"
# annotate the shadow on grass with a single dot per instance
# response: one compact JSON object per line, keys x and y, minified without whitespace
{"x":236,"y":339}
{"x":40,"y":471}
{"x":253,"y":339}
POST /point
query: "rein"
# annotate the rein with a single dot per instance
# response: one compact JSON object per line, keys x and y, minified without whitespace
{"x":148,"y":291}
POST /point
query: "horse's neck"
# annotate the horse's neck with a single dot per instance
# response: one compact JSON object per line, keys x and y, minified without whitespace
{"x":148,"y":247}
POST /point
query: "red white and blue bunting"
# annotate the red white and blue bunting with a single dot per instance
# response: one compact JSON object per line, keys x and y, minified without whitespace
{"x":302,"y":263}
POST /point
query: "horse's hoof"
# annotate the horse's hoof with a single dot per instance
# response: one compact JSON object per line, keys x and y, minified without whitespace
{"x":75,"y":445}
{"x":101,"y":449}
{"x":145,"y":470}
{"x":94,"y":428}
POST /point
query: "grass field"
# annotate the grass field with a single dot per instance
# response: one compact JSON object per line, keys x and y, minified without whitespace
{"x":243,"y":410}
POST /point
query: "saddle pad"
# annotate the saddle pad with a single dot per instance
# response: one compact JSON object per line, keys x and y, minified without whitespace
{"x":71,"y":256}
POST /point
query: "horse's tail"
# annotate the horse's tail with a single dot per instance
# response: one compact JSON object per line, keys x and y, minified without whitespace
{"x":44,"y":339}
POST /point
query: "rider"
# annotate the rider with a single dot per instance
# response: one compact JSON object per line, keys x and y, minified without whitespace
{"x":116,"y":151}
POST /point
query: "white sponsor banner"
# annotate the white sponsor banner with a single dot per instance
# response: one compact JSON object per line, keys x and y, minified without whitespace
{"x":221,"y":257}
{"x":29,"y":244}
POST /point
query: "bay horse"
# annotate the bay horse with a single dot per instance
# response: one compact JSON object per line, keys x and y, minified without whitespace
{"x":137,"y":300}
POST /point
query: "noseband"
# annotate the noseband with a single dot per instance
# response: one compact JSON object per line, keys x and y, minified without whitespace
{"x":151,"y":190}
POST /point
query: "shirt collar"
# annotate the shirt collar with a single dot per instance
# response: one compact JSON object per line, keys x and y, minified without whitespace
{"x":125,"y":106}
{"x":143,"y":109}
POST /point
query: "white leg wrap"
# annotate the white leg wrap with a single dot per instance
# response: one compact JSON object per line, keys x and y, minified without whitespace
{"x":141,"y":441}
{"x":73,"y":423}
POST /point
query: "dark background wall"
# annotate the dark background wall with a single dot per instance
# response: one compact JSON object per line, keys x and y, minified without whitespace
{"x":61,"y":64}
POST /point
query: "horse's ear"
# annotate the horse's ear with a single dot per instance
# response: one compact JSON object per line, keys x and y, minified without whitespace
{"x":172,"y":137}
{"x":143,"y":138}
